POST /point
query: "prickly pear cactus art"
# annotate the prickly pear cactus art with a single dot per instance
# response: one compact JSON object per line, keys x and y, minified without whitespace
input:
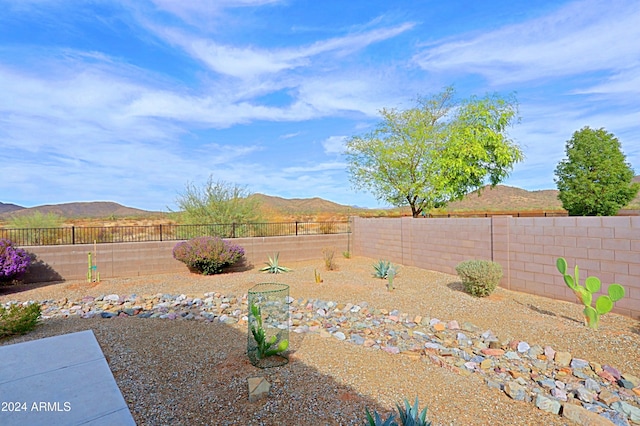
{"x":604,"y":303}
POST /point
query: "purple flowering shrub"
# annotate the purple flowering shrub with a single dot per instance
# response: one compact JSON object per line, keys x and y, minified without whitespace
{"x":207,"y":255}
{"x":14,"y":261}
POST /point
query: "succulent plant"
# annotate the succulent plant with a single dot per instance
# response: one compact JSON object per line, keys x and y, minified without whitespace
{"x":604,"y":303}
{"x":381,"y":269}
{"x":265,"y":346}
{"x":391,"y":274}
{"x":409,"y":416}
{"x":317,"y":276}
{"x":273,"y":267}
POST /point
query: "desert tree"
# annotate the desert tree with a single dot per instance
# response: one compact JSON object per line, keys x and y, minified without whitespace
{"x":436,"y":152}
{"x":217,"y":202}
{"x":594,"y":179}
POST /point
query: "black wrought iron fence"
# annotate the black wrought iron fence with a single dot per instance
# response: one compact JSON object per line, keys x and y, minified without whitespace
{"x":126,"y":234}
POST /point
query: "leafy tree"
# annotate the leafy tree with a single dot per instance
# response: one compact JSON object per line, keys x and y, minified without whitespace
{"x":594,"y":179}
{"x":435,"y":152}
{"x":217,"y":202}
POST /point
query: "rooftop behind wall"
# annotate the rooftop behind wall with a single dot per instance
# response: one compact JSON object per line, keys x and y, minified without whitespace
{"x":527,"y":249}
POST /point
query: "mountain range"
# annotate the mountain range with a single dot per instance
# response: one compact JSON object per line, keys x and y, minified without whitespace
{"x":499,"y":198}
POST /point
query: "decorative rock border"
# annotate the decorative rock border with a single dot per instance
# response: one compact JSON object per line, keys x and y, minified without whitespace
{"x":582,"y":391}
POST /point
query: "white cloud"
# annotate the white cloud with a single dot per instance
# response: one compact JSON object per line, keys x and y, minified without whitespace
{"x":590,"y":35}
{"x":250,"y":62}
{"x":334,"y":144}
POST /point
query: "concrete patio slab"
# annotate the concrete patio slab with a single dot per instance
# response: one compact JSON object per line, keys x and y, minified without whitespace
{"x":61,"y":380}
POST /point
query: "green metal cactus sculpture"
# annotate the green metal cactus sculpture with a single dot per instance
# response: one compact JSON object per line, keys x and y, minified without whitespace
{"x":604,"y":303}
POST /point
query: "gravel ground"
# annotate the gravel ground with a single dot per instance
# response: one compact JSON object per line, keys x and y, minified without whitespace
{"x":189,"y":373}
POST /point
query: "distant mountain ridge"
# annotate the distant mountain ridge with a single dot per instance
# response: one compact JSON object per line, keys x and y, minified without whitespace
{"x":500,"y":198}
{"x":91,"y":209}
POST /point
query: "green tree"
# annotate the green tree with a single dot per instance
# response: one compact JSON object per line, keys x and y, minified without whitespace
{"x":36,"y":220}
{"x":217,"y":202}
{"x":594,"y":179}
{"x":436,"y":152}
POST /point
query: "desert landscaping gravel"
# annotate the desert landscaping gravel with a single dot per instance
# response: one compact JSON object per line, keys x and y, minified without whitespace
{"x":194,"y":372}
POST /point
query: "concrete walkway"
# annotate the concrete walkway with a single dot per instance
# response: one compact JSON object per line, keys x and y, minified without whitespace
{"x":61,"y":380}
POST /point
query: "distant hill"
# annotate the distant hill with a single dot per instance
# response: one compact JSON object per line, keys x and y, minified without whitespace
{"x":508,"y":198}
{"x":301,"y":205}
{"x":7,"y":207}
{"x":94,"y":209}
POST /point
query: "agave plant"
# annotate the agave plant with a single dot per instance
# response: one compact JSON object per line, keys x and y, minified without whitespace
{"x":409,"y":416}
{"x":265,"y":346}
{"x":273,"y":267}
{"x":381,"y":269}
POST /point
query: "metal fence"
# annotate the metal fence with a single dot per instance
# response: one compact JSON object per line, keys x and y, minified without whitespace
{"x":167,"y":232}
{"x":533,"y":213}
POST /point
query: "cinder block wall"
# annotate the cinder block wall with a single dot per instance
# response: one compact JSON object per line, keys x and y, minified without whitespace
{"x":527,"y":249}
{"x":133,"y":259}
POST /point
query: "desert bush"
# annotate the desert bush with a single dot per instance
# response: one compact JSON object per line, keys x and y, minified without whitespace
{"x":329,"y":263}
{"x":409,"y":416}
{"x":479,"y":277}
{"x":36,"y":220}
{"x":14,"y":261}
{"x":207,"y":255}
{"x":18,"y":319}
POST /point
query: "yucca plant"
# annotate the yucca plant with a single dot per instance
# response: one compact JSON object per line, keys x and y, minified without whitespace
{"x":265,"y":346}
{"x":273,"y":267}
{"x":409,"y":416}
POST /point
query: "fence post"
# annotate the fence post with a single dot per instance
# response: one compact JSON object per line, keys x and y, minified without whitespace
{"x":160,"y":232}
{"x":296,"y":227}
{"x":73,"y":234}
{"x":233,"y":230}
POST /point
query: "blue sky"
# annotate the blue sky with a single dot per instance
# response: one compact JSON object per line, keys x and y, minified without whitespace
{"x":130,"y":100}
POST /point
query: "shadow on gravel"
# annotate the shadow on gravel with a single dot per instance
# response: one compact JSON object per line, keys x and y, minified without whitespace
{"x":456,"y":286}
{"x":182,"y":372}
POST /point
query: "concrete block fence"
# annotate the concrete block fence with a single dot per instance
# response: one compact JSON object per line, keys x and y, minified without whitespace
{"x":527,"y":249}
{"x":70,"y":262}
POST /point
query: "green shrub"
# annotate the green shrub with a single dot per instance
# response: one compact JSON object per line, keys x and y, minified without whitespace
{"x":479,"y":277}
{"x":207,"y":255}
{"x":18,"y":319}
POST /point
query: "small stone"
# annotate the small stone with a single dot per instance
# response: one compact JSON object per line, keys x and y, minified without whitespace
{"x":547,"y":404}
{"x":258,"y":388}
{"x":614,"y":372}
{"x":515,"y":391}
{"x":608,"y":397}
{"x":627,"y":384}
{"x":523,"y":347}
{"x":633,"y":379}
{"x":592,"y":385}
{"x":391,"y":349}
{"x":563,"y":359}
{"x":584,"y":394}
{"x":438,"y":326}
{"x":511,"y":355}
{"x":339,"y":335}
{"x":357,"y":339}
{"x":579,"y":363}
{"x":583,"y":416}
{"x":492,"y":352}
{"x":107,"y":314}
{"x":549,"y":352}
{"x":111,"y":298}
{"x":453,"y":325}
{"x":623,"y":407}
{"x":486,"y":364}
{"x":559,"y":394}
